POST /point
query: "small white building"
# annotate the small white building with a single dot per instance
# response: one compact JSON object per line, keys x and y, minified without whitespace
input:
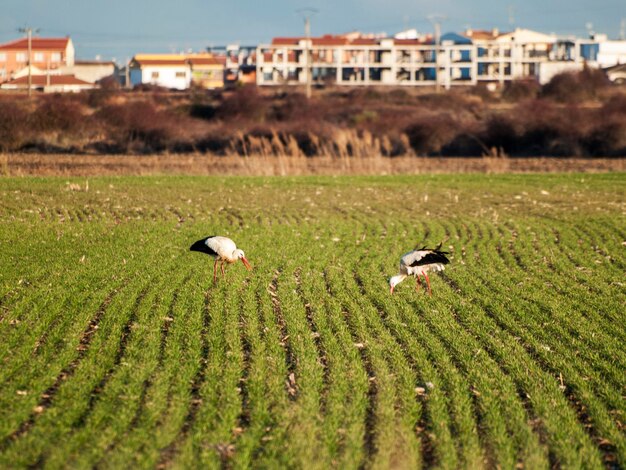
{"x":611,"y":53}
{"x":166,"y":70}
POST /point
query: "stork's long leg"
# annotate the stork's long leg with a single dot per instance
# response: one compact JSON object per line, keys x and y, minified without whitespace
{"x":417,"y":283}
{"x":428,"y":283}
{"x":215,"y":271}
{"x":223,"y":273}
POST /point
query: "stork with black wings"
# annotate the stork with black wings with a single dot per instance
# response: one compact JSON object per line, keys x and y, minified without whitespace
{"x":417,"y":263}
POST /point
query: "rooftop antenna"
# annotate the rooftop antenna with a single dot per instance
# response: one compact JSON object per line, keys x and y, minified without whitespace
{"x":436,"y":20}
{"x":306,"y":14}
{"x":29,"y":32}
{"x":512,"y":16}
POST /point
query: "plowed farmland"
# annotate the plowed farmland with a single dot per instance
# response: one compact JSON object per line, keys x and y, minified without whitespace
{"x":118,"y":351}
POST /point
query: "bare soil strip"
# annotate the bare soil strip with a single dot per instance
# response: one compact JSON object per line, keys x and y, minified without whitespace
{"x":198,"y":164}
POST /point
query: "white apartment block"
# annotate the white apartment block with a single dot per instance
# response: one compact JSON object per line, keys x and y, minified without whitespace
{"x":468,"y":59}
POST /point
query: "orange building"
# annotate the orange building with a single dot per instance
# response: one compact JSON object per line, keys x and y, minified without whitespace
{"x":46,"y":54}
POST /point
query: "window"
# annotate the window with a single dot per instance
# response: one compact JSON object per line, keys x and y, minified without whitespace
{"x":55,"y":57}
{"x":155,"y":75}
{"x":20,"y":57}
{"x":38,"y":57}
{"x":3,"y":56}
{"x":181,"y":74}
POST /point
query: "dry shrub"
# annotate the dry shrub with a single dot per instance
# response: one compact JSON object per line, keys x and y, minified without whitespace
{"x":429,"y":133}
{"x":13,"y":125}
{"x":547,"y":129}
{"x":607,"y":136}
{"x":481,"y":91}
{"x":138,"y":126}
{"x":202,"y":111}
{"x":501,"y":132}
{"x":245,"y":103}
{"x":109,"y":89}
{"x":289,"y":106}
{"x":518,"y":90}
{"x":571,"y":87}
{"x":59,"y":113}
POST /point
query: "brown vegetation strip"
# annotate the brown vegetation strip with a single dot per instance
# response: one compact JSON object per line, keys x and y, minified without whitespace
{"x":196,"y":164}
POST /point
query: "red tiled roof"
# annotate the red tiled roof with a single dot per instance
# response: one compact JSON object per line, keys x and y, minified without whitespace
{"x":482,"y":34}
{"x":326,"y":40}
{"x":330,"y":41}
{"x":286,"y":41}
{"x":43,"y":80}
{"x":365,"y":42}
{"x":166,"y":62}
{"x":37,"y":44}
{"x":405,"y":42}
{"x":207,"y":60}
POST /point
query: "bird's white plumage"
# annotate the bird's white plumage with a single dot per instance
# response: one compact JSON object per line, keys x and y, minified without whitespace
{"x":223,"y":246}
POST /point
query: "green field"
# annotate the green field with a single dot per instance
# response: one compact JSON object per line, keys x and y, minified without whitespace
{"x":118,"y":351}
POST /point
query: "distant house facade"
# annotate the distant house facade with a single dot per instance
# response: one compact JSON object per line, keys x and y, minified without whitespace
{"x":91,"y":71}
{"x":207,"y":71}
{"x":459,"y":59}
{"x":178,"y":71}
{"x":612,"y":53}
{"x":47,"y":54}
{"x":165,"y":70}
{"x":240,"y":63}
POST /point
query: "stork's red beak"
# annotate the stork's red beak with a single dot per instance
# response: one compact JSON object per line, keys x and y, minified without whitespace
{"x":391,"y":289}
{"x":246,"y":263}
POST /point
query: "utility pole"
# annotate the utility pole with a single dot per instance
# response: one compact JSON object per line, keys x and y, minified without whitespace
{"x":127,"y":84}
{"x":29,"y":32}
{"x":436,"y":22}
{"x":307,"y":13}
{"x":622,"y":29}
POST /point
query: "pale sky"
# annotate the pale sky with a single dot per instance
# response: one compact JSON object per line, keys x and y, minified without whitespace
{"x":120,"y":29}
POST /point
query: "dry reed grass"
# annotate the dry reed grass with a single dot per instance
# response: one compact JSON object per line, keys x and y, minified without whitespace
{"x":288,"y":165}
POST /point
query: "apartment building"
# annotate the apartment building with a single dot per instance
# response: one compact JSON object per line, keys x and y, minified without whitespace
{"x":458,"y":59}
{"x":358,"y":60}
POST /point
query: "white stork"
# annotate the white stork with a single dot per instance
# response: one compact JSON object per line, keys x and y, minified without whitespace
{"x":223,"y":249}
{"x":418,"y":262}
